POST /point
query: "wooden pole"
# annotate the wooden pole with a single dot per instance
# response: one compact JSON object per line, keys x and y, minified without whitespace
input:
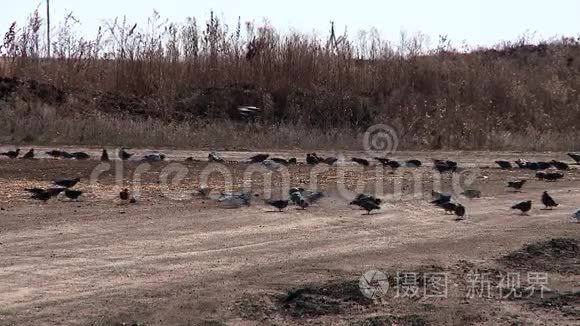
{"x":48,"y":26}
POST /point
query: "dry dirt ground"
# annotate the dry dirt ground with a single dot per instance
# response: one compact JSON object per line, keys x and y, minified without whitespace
{"x":184,"y":260}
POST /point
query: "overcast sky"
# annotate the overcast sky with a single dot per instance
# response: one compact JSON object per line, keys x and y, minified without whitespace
{"x":478,"y":22}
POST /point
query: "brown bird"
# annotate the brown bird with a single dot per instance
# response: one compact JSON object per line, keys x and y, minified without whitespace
{"x":124,"y":195}
{"x":29,"y":155}
{"x":516,"y":185}
{"x":73,"y":194}
{"x":105,"y":156}
{"x":524,"y":206}
{"x":11,"y":154}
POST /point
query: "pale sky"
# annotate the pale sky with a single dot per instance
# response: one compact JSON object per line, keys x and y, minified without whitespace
{"x":478,"y":22}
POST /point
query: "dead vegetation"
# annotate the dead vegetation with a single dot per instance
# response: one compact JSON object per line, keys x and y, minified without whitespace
{"x":169,"y":76}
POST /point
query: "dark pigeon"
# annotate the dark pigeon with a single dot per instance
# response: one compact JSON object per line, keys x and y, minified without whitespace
{"x":67,"y":183}
{"x":73,"y":194}
{"x":360,"y":161}
{"x":279,"y":204}
{"x":11,"y":154}
{"x":516,"y":185}
{"x":548,"y":201}
{"x":81,"y":156}
{"x":29,"y":155}
{"x":259,"y":158}
{"x":366,"y":203}
{"x":124,"y":195}
{"x":524,"y":206}
{"x":124,"y":155}
{"x":575,"y":157}
{"x":312,"y":159}
{"x":506,"y":165}
{"x":279,"y":160}
{"x":560,"y":165}
{"x":105,"y":156}
{"x":413,"y":164}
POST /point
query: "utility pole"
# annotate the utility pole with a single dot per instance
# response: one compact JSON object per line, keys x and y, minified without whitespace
{"x":48,"y":26}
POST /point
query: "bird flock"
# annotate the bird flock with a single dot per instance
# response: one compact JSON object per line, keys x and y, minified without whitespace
{"x":549,"y":171}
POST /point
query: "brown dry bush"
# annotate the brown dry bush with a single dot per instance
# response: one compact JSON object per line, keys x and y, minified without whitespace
{"x":179,"y":84}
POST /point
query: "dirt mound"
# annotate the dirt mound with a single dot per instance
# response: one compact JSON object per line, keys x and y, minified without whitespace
{"x":557,"y":255}
{"x":306,"y":302}
{"x":317,"y":300}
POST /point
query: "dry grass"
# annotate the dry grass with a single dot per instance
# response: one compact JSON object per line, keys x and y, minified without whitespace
{"x":179,"y":83}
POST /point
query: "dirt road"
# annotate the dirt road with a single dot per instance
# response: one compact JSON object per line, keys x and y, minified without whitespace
{"x":184,"y":260}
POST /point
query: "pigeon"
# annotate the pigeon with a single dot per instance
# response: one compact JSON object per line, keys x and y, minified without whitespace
{"x":524,"y":206}
{"x":440,"y":198}
{"x":279,"y":160}
{"x":366,"y":203}
{"x":543,"y":165}
{"x":234,"y":199}
{"x":460,"y":211}
{"x":449,"y":207}
{"x":81,"y":156}
{"x":541,"y":175}
{"x":73,"y":194}
{"x":521,"y":163}
{"x":11,"y":154}
{"x":312,"y":159}
{"x":304,"y":198}
{"x":66,"y":183}
{"x":444,"y":166}
{"x":575,"y":157}
{"x":413,"y":164}
{"x":506,"y":165}
{"x":29,"y":155}
{"x":375,"y":200}
{"x":40,"y":194}
{"x":153,"y":157}
{"x":360,"y":161}
{"x":516,"y":185}
{"x":553,"y":176}
{"x":560,"y":165}
{"x":271,"y":165}
{"x":292,"y":160}
{"x":577,"y":216}
{"x":312,"y":196}
{"x":382,"y":160}
{"x":66,"y":155}
{"x":55,"y":153}
{"x":548,"y":201}
{"x":259,"y":158}
{"x":124,"y":195}
{"x":52,"y":191}
{"x":105,"y":156}
{"x":123,"y":155}
{"x":279,"y":204}
{"x":329,"y":160}
{"x":471,"y":193}
{"x":214,"y":157}
{"x":388,"y":162}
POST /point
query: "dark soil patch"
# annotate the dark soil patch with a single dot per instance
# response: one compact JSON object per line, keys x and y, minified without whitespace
{"x":567,"y":303}
{"x":555,"y":255}
{"x":319,"y":300}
